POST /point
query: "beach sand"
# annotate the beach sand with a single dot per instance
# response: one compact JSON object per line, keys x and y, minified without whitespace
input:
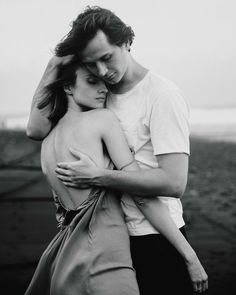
{"x":28,"y":223}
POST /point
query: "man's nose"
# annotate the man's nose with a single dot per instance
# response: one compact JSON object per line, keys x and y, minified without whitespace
{"x":102,"y":69}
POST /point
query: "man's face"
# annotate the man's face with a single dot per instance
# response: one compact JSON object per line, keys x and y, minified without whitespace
{"x":105,"y":60}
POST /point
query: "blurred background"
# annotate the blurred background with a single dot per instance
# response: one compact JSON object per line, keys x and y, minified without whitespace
{"x":191,"y":43}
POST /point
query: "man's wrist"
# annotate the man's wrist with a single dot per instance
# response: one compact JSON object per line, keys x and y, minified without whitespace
{"x":102,"y":177}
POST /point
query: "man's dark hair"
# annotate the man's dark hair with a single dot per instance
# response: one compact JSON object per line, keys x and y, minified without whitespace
{"x":87,"y":24}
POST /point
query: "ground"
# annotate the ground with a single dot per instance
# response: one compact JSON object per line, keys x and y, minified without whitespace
{"x":28,"y":223}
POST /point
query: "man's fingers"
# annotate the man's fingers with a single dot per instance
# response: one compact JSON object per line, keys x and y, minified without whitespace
{"x":70,"y":181}
{"x":63,"y":172}
{"x":82,"y":157}
{"x":71,"y":184}
{"x":76,"y":153}
{"x":64,"y":178}
{"x":63,"y":165}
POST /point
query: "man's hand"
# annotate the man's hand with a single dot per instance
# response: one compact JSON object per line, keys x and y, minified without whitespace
{"x":79,"y":173}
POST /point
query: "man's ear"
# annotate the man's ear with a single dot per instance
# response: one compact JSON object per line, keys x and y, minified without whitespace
{"x":68,"y":89}
{"x":128,"y":46}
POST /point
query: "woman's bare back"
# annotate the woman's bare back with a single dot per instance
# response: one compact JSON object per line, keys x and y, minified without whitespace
{"x":76,"y":130}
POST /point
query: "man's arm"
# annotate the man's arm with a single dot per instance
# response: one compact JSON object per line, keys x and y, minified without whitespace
{"x":39,"y":125}
{"x":169,"y":179}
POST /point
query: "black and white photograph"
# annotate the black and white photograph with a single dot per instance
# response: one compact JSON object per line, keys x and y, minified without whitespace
{"x":118,"y":147}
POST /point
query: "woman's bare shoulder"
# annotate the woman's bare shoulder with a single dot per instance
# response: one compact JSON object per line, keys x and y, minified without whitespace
{"x":102,"y":116}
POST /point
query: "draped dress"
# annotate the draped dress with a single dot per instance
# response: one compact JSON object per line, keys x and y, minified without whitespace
{"x":90,"y":254}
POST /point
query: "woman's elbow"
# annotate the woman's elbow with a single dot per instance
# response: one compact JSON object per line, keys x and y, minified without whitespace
{"x":178,"y":188}
{"x":34,"y":133}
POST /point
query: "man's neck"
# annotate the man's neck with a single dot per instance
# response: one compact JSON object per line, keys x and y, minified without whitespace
{"x":135,"y":73}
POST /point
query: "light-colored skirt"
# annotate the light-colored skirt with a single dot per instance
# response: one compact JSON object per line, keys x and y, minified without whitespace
{"x":90,"y":254}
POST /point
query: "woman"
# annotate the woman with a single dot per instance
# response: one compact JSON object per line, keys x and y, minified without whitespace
{"x":91,"y":252}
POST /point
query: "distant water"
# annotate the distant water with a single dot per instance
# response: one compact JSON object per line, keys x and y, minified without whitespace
{"x":13,"y":121}
{"x":217,"y":123}
{"x":213,"y":116}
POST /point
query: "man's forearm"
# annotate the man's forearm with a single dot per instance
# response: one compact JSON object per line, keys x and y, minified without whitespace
{"x":169,"y":179}
{"x":146,"y":183}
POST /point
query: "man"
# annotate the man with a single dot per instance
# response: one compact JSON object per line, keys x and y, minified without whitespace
{"x":154,"y":118}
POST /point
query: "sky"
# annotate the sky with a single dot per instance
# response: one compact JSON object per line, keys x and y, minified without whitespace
{"x":191,"y":42}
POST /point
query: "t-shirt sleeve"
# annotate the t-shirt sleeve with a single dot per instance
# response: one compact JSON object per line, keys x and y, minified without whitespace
{"x":169,"y":123}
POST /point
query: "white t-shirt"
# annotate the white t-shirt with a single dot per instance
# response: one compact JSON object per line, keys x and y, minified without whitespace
{"x":155,"y":119}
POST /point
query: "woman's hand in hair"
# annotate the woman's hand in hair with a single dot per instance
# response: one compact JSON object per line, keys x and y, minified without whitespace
{"x":57,"y":61}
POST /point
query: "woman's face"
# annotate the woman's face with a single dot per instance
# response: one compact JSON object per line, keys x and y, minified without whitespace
{"x":88,"y":92}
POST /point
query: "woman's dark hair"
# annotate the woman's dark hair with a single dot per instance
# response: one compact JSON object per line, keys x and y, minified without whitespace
{"x":85,"y":27}
{"x":55,"y":96}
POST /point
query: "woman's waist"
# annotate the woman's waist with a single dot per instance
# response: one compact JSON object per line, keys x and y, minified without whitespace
{"x":66,"y":210}
{"x":106,"y":202}
{"x":71,"y":199}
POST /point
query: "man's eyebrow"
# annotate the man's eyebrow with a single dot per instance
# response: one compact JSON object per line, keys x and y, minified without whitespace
{"x":93,"y":61}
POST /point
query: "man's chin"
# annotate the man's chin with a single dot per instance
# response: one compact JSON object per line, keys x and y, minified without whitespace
{"x":113,"y":81}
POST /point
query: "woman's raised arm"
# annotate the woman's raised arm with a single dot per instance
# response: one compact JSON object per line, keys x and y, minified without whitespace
{"x":39,"y":125}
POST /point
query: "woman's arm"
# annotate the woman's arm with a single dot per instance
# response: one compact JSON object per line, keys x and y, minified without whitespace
{"x":152,"y":208}
{"x":39,"y":125}
{"x":158,"y":215}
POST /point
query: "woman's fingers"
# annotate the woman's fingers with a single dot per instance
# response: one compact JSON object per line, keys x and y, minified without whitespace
{"x":201,"y":286}
{"x":195,"y":289}
{"x":197,"y":275}
{"x":205,"y":285}
{"x":198,"y":287}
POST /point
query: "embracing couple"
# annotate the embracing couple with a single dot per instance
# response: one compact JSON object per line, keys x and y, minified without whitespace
{"x":115,"y":152}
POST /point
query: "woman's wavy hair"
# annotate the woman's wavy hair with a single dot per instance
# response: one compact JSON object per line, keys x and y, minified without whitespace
{"x":55,"y":97}
{"x":85,"y":27}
